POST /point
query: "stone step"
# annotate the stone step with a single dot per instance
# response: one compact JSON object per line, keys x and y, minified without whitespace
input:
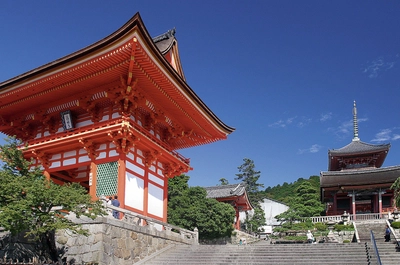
{"x":265,"y":254}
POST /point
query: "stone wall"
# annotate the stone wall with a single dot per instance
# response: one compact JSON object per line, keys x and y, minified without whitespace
{"x":116,"y":242}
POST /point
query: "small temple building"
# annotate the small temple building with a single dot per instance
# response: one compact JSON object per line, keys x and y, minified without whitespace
{"x":355,"y":181}
{"x":111,"y":117}
{"x":235,"y":195}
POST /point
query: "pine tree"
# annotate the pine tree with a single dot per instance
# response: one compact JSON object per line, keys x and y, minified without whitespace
{"x":28,"y":200}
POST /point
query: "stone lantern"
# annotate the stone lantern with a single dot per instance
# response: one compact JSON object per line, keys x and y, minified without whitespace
{"x":396,"y":214}
{"x":330,"y":225}
{"x":345,"y":218}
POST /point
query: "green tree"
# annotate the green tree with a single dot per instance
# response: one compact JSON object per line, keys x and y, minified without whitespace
{"x":304,"y":204}
{"x":28,"y":200}
{"x":307,"y":200}
{"x":250,"y":176}
{"x":223,"y":181}
{"x":284,"y":193}
{"x":189,"y":208}
{"x":396,"y":192}
{"x":255,"y":221}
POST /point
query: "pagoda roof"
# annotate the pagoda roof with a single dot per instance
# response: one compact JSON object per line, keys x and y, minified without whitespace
{"x":357,"y":148}
{"x":130,"y":57}
{"x":357,"y":154}
{"x":359,"y":177}
{"x":234,"y":193}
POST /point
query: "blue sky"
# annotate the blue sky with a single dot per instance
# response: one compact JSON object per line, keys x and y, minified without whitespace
{"x":283,"y":73}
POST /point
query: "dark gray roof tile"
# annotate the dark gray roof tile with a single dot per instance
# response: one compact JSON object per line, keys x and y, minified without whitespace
{"x":357,"y":147}
{"x":224,"y":191}
{"x":359,"y":177}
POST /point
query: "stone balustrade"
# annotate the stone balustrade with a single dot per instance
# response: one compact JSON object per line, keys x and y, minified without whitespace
{"x":117,"y":241}
{"x":141,"y":220}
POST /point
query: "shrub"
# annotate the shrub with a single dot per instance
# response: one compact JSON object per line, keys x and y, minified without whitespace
{"x":346,"y":241}
{"x":341,"y":227}
{"x":296,"y":238}
{"x":320,"y":226}
{"x":395,"y":225}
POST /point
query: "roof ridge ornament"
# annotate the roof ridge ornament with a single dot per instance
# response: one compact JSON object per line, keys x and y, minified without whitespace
{"x":355,"y":123}
{"x":169,"y":34}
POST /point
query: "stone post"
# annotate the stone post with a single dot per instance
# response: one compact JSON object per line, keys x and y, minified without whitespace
{"x":196,"y":236}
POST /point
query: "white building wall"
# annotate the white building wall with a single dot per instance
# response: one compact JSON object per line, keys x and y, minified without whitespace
{"x":271,"y":209}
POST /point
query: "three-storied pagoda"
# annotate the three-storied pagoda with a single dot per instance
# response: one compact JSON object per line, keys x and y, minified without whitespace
{"x":355,"y":181}
{"x":111,"y":117}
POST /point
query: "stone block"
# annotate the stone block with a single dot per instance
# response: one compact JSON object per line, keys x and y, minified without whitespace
{"x":96,"y":247}
{"x":134,"y":235}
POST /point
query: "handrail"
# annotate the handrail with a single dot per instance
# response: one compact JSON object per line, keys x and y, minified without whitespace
{"x":396,"y":238}
{"x":373,"y":243}
{"x":356,"y":233}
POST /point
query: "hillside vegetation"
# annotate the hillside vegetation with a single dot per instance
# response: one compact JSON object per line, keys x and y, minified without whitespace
{"x":285,"y":192}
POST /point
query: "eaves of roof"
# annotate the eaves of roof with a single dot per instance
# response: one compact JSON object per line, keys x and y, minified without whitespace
{"x":190,"y":99}
{"x":359,"y":177}
{"x":359,"y":147}
{"x":225,"y":191}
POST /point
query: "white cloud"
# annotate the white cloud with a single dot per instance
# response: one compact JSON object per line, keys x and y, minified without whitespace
{"x":313,"y":149}
{"x":347,"y":127}
{"x":282,"y":123}
{"x":304,"y":121}
{"x":326,"y":116}
{"x":374,"y":68}
{"x":382,"y":136}
{"x":395,"y":137}
{"x":385,"y":135}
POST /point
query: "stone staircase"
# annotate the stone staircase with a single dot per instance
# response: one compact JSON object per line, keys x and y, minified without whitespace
{"x":263,"y":252}
{"x":387,"y":250}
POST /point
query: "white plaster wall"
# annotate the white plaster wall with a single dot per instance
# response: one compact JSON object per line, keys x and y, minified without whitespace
{"x":155,"y":200}
{"x":134,"y":191}
{"x":271,"y":209}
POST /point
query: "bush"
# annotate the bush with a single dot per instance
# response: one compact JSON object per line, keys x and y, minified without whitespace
{"x":340,"y":227}
{"x":395,"y":225}
{"x":320,"y":226}
{"x":346,"y":241}
{"x":302,"y":226}
{"x":296,"y":238}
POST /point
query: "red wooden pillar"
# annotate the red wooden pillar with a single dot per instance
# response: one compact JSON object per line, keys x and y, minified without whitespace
{"x":353,"y":202}
{"x":93,"y":180}
{"x":146,"y":192}
{"x":121,"y":181}
{"x":46,"y":174}
{"x":334,"y":204}
{"x":237,"y":223}
{"x":380,"y":202}
{"x":165,"y":200}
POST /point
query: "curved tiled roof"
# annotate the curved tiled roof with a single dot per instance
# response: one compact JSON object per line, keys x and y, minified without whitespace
{"x":225,"y":191}
{"x":359,"y":147}
{"x":357,"y":150}
{"x":127,"y":54}
{"x":164,"y":41}
{"x":359,"y":177}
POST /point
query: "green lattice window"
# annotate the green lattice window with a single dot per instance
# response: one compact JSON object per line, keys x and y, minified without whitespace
{"x":107,"y":179}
